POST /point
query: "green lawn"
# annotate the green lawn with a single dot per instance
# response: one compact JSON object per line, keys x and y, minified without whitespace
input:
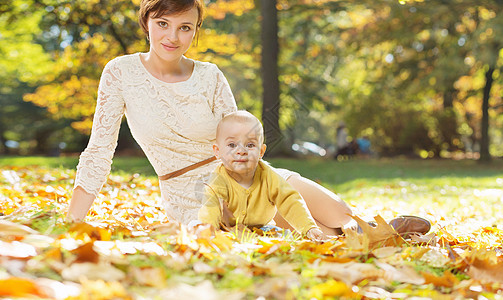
{"x":437,"y":189}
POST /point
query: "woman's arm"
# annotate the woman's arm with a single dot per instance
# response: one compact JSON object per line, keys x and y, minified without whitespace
{"x":79,"y":205}
{"x":96,"y":160}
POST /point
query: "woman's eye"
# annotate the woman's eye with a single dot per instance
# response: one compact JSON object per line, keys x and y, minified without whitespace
{"x":185,"y":28}
{"x":162,"y":24}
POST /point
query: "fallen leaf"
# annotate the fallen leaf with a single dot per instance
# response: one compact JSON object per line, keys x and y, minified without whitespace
{"x":403,"y":274}
{"x":330,"y":288}
{"x":276,"y":288}
{"x":8,"y":228}
{"x":202,"y":268}
{"x":350,"y":273}
{"x":17,"y":249}
{"x":19,"y":287}
{"x":96,"y":232}
{"x":149,"y":276}
{"x":92,"y":271}
{"x":428,"y":239}
{"x":386,"y":251}
{"x":446,"y":280}
{"x":101,"y":290}
{"x":58,"y":290}
{"x":86,"y":253}
{"x":222,"y":241}
{"x":381,"y":235}
{"x":486,"y":270}
{"x":203,"y":290}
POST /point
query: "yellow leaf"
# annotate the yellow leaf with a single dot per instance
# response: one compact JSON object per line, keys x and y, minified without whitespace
{"x":330,"y":288}
{"x":19,"y":287}
{"x":222,"y":241}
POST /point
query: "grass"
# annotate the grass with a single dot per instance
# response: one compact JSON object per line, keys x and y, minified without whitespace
{"x":328,"y":171}
{"x":435,"y":189}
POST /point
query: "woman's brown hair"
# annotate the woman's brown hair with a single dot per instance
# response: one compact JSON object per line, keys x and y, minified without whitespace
{"x":160,"y":8}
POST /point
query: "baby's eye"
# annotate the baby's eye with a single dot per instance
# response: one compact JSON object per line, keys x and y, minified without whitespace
{"x":250,"y":145}
{"x":162,"y":24}
{"x":185,"y":28}
{"x":232,"y":145}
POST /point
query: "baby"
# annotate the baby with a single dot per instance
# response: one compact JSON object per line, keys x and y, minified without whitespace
{"x":247,"y":189}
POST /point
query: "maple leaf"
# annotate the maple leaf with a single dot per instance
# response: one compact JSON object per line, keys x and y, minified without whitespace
{"x":486,"y":266}
{"x":86,"y":253}
{"x":381,"y":235}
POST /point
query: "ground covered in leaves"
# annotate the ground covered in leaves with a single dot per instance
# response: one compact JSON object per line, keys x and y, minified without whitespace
{"x":126,"y":249}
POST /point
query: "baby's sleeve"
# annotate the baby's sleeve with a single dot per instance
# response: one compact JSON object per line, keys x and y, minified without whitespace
{"x":211,"y":212}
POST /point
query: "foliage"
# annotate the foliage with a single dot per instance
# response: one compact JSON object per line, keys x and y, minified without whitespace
{"x":414,"y":55}
{"x":363,"y":62}
{"x":127,"y":250}
{"x":22,"y":63}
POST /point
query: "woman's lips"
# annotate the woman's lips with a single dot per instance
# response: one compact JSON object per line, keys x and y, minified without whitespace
{"x":169,"y":47}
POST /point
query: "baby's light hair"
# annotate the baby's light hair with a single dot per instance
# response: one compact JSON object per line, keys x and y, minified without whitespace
{"x":243,"y":116}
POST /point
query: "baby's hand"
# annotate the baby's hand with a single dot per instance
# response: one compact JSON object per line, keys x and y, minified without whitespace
{"x":316,"y":235}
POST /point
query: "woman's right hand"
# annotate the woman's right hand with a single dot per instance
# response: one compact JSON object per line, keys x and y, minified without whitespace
{"x":79,"y":205}
{"x":316,"y":235}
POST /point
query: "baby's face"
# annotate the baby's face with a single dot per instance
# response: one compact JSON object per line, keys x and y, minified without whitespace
{"x":239,"y":146}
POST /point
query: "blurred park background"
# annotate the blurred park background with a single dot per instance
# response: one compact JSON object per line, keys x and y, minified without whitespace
{"x":416,"y":78}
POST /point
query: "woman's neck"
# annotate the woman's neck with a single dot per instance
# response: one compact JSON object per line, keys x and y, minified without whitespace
{"x":168,"y":71}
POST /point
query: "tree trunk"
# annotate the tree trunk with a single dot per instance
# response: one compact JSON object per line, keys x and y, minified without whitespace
{"x":485,"y":156}
{"x":270,"y":82}
{"x":3,"y":148}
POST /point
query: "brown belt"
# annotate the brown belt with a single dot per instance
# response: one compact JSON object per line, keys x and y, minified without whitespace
{"x":186,"y":169}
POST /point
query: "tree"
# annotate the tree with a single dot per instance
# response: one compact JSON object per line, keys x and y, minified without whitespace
{"x":269,"y":71}
{"x":22,"y":63}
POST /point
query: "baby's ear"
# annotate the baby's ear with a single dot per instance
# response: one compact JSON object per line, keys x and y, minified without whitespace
{"x":216,"y":150}
{"x":262,"y":150}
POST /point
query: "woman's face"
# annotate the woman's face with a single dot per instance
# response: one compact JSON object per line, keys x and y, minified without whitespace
{"x":171,"y":35}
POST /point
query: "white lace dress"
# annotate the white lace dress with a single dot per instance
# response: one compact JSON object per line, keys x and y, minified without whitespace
{"x":174,"y":124}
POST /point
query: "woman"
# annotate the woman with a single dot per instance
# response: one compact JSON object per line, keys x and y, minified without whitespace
{"x":172,"y":105}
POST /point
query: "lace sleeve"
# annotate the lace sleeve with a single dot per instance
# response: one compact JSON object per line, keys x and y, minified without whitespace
{"x":223,"y":101}
{"x":96,"y":160}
